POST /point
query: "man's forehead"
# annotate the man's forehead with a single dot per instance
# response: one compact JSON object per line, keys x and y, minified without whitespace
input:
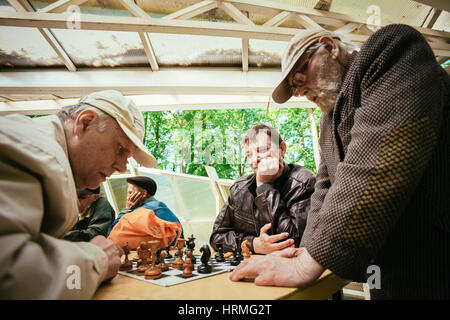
{"x":260,"y":139}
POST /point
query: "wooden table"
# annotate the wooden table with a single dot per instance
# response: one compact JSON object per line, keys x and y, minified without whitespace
{"x":218,"y":287}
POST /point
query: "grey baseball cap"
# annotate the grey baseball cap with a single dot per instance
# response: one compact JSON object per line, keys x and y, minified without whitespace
{"x":295,"y":49}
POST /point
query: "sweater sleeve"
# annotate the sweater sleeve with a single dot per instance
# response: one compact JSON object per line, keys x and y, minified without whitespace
{"x":392,"y":139}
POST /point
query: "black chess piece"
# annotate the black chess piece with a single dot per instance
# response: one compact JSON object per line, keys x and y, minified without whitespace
{"x":206,"y":254}
{"x":238,"y":240}
{"x":158,"y":256}
{"x":219,"y":255}
{"x":168,"y":255}
{"x":236,"y":260}
{"x":190,"y":243}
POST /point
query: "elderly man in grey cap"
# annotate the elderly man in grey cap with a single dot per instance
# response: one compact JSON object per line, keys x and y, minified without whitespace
{"x":44,"y":161}
{"x":380,"y":209}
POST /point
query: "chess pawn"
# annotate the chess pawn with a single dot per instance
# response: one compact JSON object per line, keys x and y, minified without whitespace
{"x":178,"y":262}
{"x":238,"y":240}
{"x":168,"y":255}
{"x":236,"y":259}
{"x":127,"y":264}
{"x":153,"y":272}
{"x":162,"y":265}
{"x":245,"y":248}
{"x":188,"y":266}
{"x":144,"y":255}
{"x":219,"y":255}
{"x":191,"y":252}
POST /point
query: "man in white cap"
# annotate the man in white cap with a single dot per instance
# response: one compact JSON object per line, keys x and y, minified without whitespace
{"x":380,"y":209}
{"x":44,"y":161}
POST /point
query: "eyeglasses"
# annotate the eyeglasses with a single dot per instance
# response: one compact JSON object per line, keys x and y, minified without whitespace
{"x":299,"y":70}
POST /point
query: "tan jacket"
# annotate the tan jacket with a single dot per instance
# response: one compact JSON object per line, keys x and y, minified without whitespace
{"x":38,"y":205}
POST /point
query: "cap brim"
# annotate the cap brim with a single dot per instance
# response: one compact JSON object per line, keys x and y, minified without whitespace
{"x":142,"y":156}
{"x":282,"y":92}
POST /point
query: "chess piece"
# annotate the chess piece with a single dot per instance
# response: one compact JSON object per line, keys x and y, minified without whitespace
{"x":158,"y":256}
{"x":206,"y":254}
{"x":153,"y":272}
{"x":219,"y":255}
{"x":188,"y":266}
{"x":127,"y":264}
{"x":245,"y":248}
{"x":236,"y":259}
{"x":193,"y":258}
{"x":178,"y":262}
{"x":190,"y":243}
{"x":162,"y":265}
{"x":238,"y":240}
{"x":168,"y":255}
{"x":144,"y":258}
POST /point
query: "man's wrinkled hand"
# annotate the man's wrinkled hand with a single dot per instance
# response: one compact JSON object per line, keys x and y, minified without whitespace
{"x":112,"y":251}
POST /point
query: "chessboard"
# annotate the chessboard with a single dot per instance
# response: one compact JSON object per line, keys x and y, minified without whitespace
{"x":173,"y":276}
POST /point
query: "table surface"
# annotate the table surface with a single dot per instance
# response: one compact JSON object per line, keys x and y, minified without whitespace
{"x":218,"y":287}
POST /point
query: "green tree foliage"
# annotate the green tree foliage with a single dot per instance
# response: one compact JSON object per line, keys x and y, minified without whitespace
{"x":185,"y":141}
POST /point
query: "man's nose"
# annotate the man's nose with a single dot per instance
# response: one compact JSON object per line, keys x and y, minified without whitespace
{"x":121,"y":165}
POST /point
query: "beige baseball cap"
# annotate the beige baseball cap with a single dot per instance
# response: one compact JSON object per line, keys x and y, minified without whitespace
{"x":129,"y":118}
{"x":295,"y":49}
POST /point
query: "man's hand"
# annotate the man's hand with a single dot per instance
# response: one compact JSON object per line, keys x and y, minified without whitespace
{"x":292,"y":267}
{"x":269,"y":169}
{"x":135,"y":200}
{"x":266,"y":244}
{"x":112,"y":251}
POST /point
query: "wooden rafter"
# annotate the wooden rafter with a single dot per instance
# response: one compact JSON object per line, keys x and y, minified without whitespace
{"x":61,"y":6}
{"x":431,"y":18}
{"x":136,"y":11}
{"x":239,"y":17}
{"x":192,"y":11}
{"x":24,"y":6}
{"x":137,"y":24}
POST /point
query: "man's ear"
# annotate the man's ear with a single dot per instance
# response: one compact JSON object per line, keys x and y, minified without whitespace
{"x":331,"y":46}
{"x":283,"y":148}
{"x":85,"y":119}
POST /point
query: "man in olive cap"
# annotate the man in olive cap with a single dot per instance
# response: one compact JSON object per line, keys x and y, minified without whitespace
{"x":141,"y":194}
{"x":44,"y":161}
{"x":95,"y":217}
{"x":380,"y":209}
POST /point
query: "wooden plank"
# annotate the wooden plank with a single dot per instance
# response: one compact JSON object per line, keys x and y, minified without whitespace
{"x":314,"y":13}
{"x":244,"y":54}
{"x":278,"y":19}
{"x":136,"y":11}
{"x":306,"y":22}
{"x":24,"y":7}
{"x":235,"y":13}
{"x":192,"y":11}
{"x":150,"y":53}
{"x":350,"y":27}
{"x":431,"y":18}
{"x":61,"y":6}
{"x":315,"y":138}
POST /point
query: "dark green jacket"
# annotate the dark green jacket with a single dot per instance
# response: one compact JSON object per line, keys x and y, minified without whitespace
{"x":96,"y":223}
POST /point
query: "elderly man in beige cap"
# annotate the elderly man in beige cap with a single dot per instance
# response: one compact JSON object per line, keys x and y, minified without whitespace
{"x":380,"y":209}
{"x":44,"y":161}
